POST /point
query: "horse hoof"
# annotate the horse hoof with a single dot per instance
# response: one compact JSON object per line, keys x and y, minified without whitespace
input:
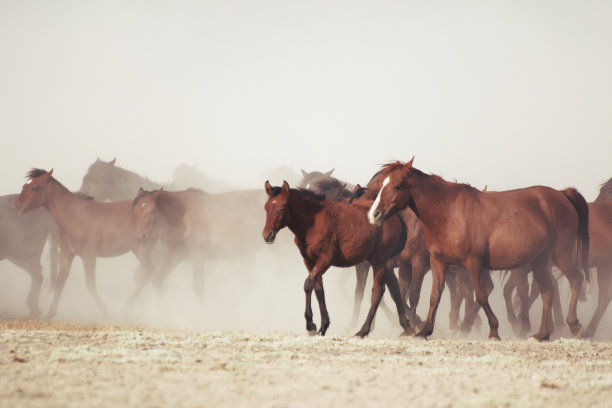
{"x":495,"y":338}
{"x":422,"y":335}
{"x":539,"y":338}
{"x":575,"y":327}
{"x":407,"y":332}
{"x":361,"y":334}
{"x":312,"y":332}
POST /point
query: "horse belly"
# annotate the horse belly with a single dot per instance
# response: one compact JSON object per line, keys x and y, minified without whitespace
{"x":515,"y":245}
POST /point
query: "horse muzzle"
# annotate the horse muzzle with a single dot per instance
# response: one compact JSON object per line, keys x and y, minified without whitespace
{"x":269,"y":236}
{"x":377,"y":218}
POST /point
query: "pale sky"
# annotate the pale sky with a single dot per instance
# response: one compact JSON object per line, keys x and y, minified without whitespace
{"x":500,"y":93}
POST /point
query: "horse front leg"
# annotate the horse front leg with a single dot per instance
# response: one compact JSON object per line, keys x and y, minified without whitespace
{"x":89,"y":264}
{"x":65,"y":261}
{"x":543,"y":276}
{"x":438,"y":271}
{"x":361,"y":271}
{"x":482,"y":290}
{"x":320,"y":294}
{"x":314,"y":273}
{"x":419,"y":265}
{"x":604,"y":282}
{"x":378,"y":289}
{"x":400,"y":301}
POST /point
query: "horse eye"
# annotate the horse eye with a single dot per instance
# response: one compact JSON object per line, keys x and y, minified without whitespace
{"x":396,"y":188}
{"x":35,"y":188}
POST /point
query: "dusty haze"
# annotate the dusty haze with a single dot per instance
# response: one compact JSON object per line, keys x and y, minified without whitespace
{"x":505,"y":95}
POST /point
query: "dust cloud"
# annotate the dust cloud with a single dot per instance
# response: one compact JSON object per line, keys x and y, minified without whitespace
{"x":503,"y":95}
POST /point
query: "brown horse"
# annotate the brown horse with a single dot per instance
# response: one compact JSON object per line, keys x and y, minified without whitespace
{"x":106,"y":181}
{"x":492,"y":230}
{"x":22,"y":240}
{"x":330,"y":233}
{"x":605,"y":192}
{"x":197,"y":226}
{"x":86,"y":228}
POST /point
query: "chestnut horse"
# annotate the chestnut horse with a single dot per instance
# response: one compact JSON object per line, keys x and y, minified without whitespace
{"x":600,"y":257}
{"x":330,"y":233}
{"x":22,"y":240}
{"x":492,"y":230}
{"x":86,"y":228}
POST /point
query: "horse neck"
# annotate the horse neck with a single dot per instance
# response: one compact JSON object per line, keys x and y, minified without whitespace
{"x":302,"y":209}
{"x":61,"y":203}
{"x":432,"y":199}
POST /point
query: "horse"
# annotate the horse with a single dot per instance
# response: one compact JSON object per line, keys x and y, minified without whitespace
{"x":493,"y":230}
{"x":188,"y":176}
{"x":86,"y":228}
{"x":605,"y":192}
{"x":336,"y":190}
{"x":309,"y":178}
{"x":600,"y":257}
{"x":106,"y":181}
{"x":329,"y":233}
{"x":22,"y":240}
{"x":192,"y":224}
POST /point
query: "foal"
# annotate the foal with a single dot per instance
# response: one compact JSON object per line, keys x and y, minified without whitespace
{"x":329,"y":233}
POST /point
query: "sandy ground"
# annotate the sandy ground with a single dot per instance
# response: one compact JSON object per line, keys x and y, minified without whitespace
{"x":64,"y":365}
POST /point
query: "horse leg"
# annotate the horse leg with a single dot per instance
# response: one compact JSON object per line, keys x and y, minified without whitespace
{"x":471,"y":306}
{"x":557,"y":309}
{"x":143,"y":274}
{"x":361,"y":271}
{"x":482,"y":290}
{"x":438,"y":270}
{"x":419,"y":269}
{"x":604,"y":281}
{"x":34,"y":269}
{"x":378,"y":289}
{"x":400,"y":301}
{"x":89,"y":265}
{"x":314,"y":271}
{"x":575,"y":278}
{"x":508,"y":289}
{"x":543,"y":277}
{"x":197,"y":265}
{"x":455,"y":302}
{"x":320,"y":294}
{"x":525,"y":299}
{"x":65,"y":261}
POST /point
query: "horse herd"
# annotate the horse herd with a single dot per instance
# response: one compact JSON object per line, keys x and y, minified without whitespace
{"x":403,"y":218}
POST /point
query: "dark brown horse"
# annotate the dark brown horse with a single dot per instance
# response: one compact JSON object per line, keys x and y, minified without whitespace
{"x":330,"y":233}
{"x":86,"y":228}
{"x":493,"y":230}
{"x":106,"y":181}
{"x":22,"y":240}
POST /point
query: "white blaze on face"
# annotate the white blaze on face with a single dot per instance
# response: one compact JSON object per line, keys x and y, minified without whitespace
{"x":376,"y":202}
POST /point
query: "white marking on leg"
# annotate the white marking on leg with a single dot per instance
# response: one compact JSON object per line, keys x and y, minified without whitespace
{"x":376,"y":202}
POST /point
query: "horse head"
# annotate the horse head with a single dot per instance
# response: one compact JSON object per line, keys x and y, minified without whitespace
{"x":276,"y":210}
{"x":394,"y":194}
{"x":34,"y":192}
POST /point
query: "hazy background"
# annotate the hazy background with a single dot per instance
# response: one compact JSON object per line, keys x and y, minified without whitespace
{"x":505,"y":94}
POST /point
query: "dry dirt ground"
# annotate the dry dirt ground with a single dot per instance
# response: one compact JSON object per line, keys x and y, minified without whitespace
{"x":66,"y":365}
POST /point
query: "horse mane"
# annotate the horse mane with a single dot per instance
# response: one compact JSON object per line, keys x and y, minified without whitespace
{"x":302,"y":191}
{"x":605,"y":191}
{"x":329,"y":183}
{"x":392,"y":166}
{"x":34,"y":172}
{"x":358,"y":193}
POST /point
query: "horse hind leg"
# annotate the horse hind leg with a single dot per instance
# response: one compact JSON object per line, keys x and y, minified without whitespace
{"x":90,"y":281}
{"x":482,"y":290}
{"x":604,"y":282}
{"x":65,"y":261}
{"x":34,"y":269}
{"x":320,"y":294}
{"x":569,"y":267}
{"x":361,"y":272}
{"x":543,"y":277}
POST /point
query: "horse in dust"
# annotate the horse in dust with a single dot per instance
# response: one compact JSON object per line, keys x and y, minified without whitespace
{"x":192,"y":224}
{"x":188,"y":176}
{"x":86,"y":228}
{"x":600,"y":257}
{"x":335,"y":190}
{"x":330,"y":233}
{"x":413,"y":264}
{"x":106,"y":181}
{"x":493,"y":230}
{"x":22,"y":241}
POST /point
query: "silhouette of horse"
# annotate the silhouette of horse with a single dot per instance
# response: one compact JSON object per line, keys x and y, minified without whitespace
{"x":106,"y":181}
{"x":494,"y":230}
{"x":86,"y":228}
{"x":22,"y":240}
{"x":186,"y":176}
{"x":605,"y":192}
{"x":330,"y":233}
{"x":197,"y":226}
{"x":309,"y":178}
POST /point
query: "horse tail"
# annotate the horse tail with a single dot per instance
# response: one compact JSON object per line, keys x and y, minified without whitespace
{"x":582,"y":243}
{"x":53,"y":256}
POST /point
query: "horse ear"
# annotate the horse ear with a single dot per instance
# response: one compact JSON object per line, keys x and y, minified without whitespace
{"x":484,"y":189}
{"x":140,"y":190}
{"x":285,"y":188}
{"x":357,"y":188}
{"x":50,"y":173}
{"x":329,"y":173}
{"x":161,"y":188}
{"x":304,"y":173}
{"x":268,"y":187}
{"x":112,"y":162}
